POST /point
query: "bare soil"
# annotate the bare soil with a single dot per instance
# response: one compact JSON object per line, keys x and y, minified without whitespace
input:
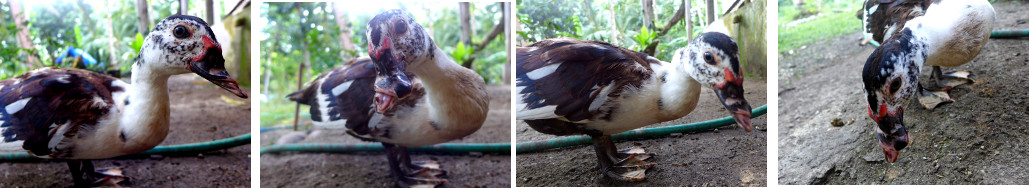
{"x":726,"y":157}
{"x":198,"y":114}
{"x":371,"y":169}
{"x":979,"y":139}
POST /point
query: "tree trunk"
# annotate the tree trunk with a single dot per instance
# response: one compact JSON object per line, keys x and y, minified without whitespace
{"x":466,"y":26}
{"x":209,"y":4}
{"x":688,"y":19}
{"x":23,"y":33}
{"x":144,"y":17}
{"x":344,"y":27}
{"x":615,"y":34}
{"x":304,"y":64}
{"x":710,"y":11}
{"x":678,"y":16}
{"x":648,"y":14}
{"x":183,"y":7}
{"x":507,"y":43}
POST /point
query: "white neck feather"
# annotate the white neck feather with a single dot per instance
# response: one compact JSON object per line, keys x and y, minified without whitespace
{"x":679,"y":92}
{"x":456,"y":96}
{"x":145,"y":119}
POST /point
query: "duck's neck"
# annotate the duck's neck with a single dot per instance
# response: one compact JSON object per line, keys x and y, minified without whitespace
{"x":916,"y":46}
{"x":679,"y":92}
{"x":456,"y":96}
{"x":145,"y":120}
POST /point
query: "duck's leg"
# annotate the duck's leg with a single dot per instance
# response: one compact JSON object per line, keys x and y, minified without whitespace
{"x":931,"y":99}
{"x":428,"y":168}
{"x":625,"y":165}
{"x":76,"y":173}
{"x":402,"y":176}
{"x":84,"y":175}
{"x":949,"y":80}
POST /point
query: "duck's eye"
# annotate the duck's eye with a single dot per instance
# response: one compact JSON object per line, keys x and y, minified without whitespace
{"x":181,"y":32}
{"x":894,"y":85}
{"x":400,"y":27}
{"x":710,"y":59}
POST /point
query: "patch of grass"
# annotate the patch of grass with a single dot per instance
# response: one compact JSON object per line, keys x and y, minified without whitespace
{"x":279,"y":111}
{"x":832,"y":25}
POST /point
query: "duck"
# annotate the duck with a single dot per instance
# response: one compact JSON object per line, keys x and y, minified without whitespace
{"x":406,"y":93}
{"x":940,"y":33}
{"x":77,"y":115}
{"x":566,"y":86}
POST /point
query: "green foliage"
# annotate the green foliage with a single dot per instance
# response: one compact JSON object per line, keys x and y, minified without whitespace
{"x":616,"y":22}
{"x":461,"y":52}
{"x":644,"y":39}
{"x":834,"y":19}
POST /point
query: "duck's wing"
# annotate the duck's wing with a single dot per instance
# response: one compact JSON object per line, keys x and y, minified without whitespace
{"x":45,"y":108}
{"x":881,"y":15}
{"x":572,"y":80}
{"x":343,"y":94}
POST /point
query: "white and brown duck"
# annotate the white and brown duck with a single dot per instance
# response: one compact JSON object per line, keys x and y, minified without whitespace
{"x":409,"y":93}
{"x":567,"y":86}
{"x":914,"y":33}
{"x":80,"y":115}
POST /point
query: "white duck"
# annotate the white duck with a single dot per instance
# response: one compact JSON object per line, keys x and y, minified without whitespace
{"x":80,"y":115}
{"x":915,"y":33}
{"x":567,"y":86}
{"x":443,"y":102}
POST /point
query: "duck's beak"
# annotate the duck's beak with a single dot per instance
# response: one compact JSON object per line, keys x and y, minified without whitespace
{"x":893,"y":135}
{"x":392,"y":83}
{"x":211,"y":66}
{"x":730,"y":93}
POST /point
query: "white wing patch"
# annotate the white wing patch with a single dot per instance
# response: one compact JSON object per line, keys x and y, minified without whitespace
{"x":57,"y":134}
{"x":341,"y":88}
{"x":542,"y":71}
{"x":17,"y":105}
{"x":601,"y":97}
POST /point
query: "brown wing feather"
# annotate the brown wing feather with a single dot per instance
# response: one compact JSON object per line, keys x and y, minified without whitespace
{"x":75,"y":97}
{"x":585,"y":68}
{"x":893,"y":12}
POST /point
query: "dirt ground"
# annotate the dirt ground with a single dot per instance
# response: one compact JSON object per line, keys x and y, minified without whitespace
{"x":979,"y":139}
{"x":371,"y":169}
{"x":726,"y":157}
{"x":198,"y":114}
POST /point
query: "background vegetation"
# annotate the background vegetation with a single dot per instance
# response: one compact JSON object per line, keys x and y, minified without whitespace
{"x":621,"y":23}
{"x":325,"y":35}
{"x":106,"y":30}
{"x":805,"y":21}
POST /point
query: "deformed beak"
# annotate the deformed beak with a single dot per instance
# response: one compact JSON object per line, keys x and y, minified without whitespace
{"x":211,"y":66}
{"x":392,"y":83}
{"x":897,"y":139}
{"x":731,"y":95}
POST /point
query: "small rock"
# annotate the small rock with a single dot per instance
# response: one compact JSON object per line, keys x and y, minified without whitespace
{"x":200,"y":155}
{"x":716,"y":130}
{"x":676,"y":135}
{"x":158,"y":157}
{"x":475,"y":154}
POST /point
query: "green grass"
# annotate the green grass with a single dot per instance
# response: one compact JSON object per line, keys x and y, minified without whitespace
{"x":832,"y":25}
{"x":279,"y":111}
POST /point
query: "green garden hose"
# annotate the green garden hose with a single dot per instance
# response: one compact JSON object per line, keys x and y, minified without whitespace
{"x":161,"y":150}
{"x":504,"y":148}
{"x":498,"y":148}
{"x":648,"y":133}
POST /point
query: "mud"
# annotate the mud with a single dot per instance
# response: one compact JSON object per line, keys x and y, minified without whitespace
{"x":726,"y":157}
{"x":979,"y":139}
{"x":198,"y":114}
